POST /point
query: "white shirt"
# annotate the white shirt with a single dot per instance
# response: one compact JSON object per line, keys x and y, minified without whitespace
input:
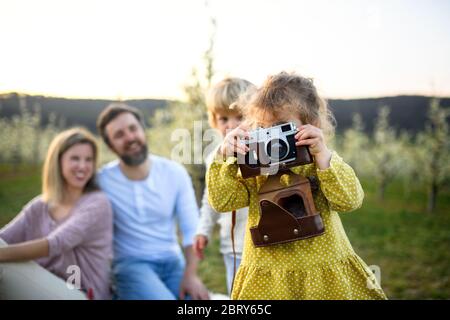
{"x":146,"y":212}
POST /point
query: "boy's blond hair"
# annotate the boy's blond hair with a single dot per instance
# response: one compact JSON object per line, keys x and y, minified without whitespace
{"x":224,"y":97}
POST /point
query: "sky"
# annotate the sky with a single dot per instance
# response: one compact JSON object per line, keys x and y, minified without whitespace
{"x":148,"y":49}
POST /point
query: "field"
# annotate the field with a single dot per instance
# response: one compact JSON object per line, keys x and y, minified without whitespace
{"x":412,"y":248}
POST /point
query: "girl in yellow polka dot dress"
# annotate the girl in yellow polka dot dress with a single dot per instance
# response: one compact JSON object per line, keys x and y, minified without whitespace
{"x":322,"y":267}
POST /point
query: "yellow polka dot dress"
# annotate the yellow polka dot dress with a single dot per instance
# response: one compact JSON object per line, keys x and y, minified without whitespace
{"x":323,"y":267}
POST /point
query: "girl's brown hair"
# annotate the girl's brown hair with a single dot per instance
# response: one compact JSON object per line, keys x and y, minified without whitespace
{"x":290,"y":92}
{"x":52,"y":178}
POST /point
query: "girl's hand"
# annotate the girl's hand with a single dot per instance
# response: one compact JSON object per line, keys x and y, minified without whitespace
{"x":233,"y":142}
{"x":311,"y":136}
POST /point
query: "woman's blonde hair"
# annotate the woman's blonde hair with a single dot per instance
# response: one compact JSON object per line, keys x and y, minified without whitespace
{"x":52,"y":179}
{"x":224,"y":97}
{"x":290,"y":92}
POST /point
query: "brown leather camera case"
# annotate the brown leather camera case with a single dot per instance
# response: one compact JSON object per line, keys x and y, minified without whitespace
{"x":277,"y":224}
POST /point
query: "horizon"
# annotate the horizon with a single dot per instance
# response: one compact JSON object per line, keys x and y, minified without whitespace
{"x":352,"y":49}
{"x":168,"y":99}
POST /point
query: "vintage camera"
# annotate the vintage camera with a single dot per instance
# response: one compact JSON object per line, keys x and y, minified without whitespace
{"x":272,"y":150}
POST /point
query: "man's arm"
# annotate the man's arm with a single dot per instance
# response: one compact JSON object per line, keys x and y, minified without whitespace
{"x":191,"y":283}
{"x":187,"y":211}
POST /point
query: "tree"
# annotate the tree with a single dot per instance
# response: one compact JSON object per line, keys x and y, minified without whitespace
{"x":385,"y":153}
{"x":355,"y":145}
{"x":434,"y":152}
{"x":177,"y":130}
{"x":24,"y":139}
{"x":408,"y":169}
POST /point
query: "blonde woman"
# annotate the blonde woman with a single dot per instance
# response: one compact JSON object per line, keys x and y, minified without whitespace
{"x":67,"y":230}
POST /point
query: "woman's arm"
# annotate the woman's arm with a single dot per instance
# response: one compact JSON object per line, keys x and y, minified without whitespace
{"x":16,"y":230}
{"x":24,"y":251}
{"x":20,"y":247}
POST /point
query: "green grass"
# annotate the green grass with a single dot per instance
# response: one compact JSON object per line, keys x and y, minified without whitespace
{"x":16,"y":189}
{"x":212,"y":268}
{"x":412,"y":248}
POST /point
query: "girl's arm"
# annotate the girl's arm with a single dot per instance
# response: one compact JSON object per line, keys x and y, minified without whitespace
{"x":24,"y":251}
{"x":338,"y":181}
{"x":340,"y":185}
{"x":226,"y":191}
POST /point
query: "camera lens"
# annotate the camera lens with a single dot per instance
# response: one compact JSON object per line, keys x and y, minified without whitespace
{"x":277,"y":149}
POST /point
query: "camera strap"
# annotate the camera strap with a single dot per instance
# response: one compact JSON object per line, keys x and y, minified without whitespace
{"x":233,"y":224}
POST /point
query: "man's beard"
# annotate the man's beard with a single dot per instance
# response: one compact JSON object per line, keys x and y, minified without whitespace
{"x":136,"y":159}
